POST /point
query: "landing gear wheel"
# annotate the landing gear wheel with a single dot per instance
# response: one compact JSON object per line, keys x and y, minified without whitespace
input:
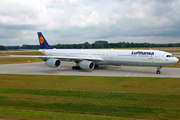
{"x":158,"y":72}
{"x":75,"y":67}
{"x":96,"y":66}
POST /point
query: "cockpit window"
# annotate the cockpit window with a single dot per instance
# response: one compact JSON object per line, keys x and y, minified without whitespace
{"x":169,"y":55}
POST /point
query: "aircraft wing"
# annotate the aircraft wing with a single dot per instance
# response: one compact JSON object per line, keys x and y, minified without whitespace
{"x":57,"y":57}
{"x":73,"y":58}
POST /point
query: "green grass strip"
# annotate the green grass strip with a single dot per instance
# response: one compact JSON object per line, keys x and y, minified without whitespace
{"x":15,"y":60}
{"x":29,"y":114}
{"x":88,"y":94}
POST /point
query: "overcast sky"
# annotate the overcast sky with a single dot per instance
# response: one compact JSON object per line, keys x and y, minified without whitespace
{"x":79,"y":21}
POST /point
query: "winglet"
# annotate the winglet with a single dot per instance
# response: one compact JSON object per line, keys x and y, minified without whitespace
{"x":43,"y":42}
{"x":5,"y":53}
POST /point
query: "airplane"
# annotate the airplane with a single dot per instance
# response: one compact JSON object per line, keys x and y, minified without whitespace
{"x":89,"y":59}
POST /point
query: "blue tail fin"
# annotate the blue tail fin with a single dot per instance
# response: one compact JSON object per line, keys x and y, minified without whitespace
{"x":43,"y":42}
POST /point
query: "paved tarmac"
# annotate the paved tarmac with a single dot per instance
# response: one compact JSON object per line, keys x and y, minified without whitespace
{"x":108,"y":70}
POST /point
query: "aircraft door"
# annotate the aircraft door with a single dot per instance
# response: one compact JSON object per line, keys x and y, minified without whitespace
{"x":157,"y":56}
{"x":111,"y":55}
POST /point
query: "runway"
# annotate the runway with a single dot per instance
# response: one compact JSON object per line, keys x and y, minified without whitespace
{"x":66,"y":69}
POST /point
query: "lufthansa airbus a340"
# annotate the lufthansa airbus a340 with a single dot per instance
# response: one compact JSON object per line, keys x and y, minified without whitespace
{"x":91,"y":58}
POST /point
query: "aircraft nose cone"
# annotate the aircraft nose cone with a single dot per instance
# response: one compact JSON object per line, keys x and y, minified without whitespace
{"x":176,"y":60}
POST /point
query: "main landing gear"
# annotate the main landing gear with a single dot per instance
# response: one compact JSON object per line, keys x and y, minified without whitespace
{"x":96,"y":66}
{"x":158,"y":70}
{"x":76,"y":67}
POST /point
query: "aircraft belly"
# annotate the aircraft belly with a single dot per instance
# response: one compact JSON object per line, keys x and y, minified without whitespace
{"x":101,"y":62}
{"x":138,"y":63}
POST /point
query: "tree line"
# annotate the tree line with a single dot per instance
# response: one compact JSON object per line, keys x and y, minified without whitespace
{"x":95,"y":45}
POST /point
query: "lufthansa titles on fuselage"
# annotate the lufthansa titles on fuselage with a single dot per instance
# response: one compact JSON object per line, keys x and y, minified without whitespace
{"x":141,"y":53}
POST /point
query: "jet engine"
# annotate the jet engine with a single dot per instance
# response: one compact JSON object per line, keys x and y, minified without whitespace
{"x":88,"y":65}
{"x":53,"y":63}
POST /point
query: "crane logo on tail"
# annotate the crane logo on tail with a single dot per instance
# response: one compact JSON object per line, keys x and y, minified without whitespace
{"x":41,"y":39}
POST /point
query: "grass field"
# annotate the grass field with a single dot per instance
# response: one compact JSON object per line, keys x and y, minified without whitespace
{"x":13,"y":60}
{"x":43,"y":115}
{"x":82,"y":97}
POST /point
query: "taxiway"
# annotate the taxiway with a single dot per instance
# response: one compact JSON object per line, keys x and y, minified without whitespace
{"x":108,"y":70}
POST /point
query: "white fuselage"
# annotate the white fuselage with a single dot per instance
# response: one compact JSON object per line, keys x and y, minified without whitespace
{"x":117,"y":57}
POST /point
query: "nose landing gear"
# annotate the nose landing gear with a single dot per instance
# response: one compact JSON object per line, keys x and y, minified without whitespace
{"x":158,"y":70}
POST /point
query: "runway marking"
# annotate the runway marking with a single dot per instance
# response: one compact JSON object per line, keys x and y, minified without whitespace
{"x":142,"y":72}
{"x":130,"y":72}
{"x":137,"y":71}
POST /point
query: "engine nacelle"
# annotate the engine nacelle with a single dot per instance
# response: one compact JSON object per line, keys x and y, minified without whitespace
{"x":88,"y":65}
{"x":53,"y":63}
